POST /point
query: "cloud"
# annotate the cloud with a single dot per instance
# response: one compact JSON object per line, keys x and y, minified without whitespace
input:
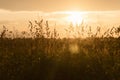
{"x":57,"y":5}
{"x":58,"y":16}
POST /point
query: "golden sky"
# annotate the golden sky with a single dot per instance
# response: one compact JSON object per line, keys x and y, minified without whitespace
{"x":60,"y":5}
{"x":15,"y":14}
{"x":19,"y":12}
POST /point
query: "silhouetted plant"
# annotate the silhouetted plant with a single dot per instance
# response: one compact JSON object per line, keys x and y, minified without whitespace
{"x":45,"y":56}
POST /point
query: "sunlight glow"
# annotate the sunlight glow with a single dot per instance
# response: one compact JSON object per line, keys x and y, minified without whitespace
{"x":73,"y":48}
{"x":75,"y":18}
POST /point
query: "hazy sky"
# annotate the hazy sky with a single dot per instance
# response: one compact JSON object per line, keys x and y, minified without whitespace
{"x":19,"y":12}
{"x":59,"y":5}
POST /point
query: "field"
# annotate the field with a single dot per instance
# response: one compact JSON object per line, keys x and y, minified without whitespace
{"x":46,"y":56}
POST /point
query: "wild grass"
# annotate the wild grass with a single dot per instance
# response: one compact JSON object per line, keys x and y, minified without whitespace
{"x":46,"y":56}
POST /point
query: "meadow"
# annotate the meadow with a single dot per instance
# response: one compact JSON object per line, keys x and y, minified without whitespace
{"x":45,"y":56}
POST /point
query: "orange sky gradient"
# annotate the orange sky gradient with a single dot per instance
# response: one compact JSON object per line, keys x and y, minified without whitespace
{"x":60,"y":5}
{"x":17,"y":13}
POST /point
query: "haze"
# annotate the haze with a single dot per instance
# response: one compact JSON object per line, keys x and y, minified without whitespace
{"x":19,"y":12}
{"x":57,"y":5}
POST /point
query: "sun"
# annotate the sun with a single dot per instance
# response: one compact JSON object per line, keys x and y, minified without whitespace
{"x":75,"y":18}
